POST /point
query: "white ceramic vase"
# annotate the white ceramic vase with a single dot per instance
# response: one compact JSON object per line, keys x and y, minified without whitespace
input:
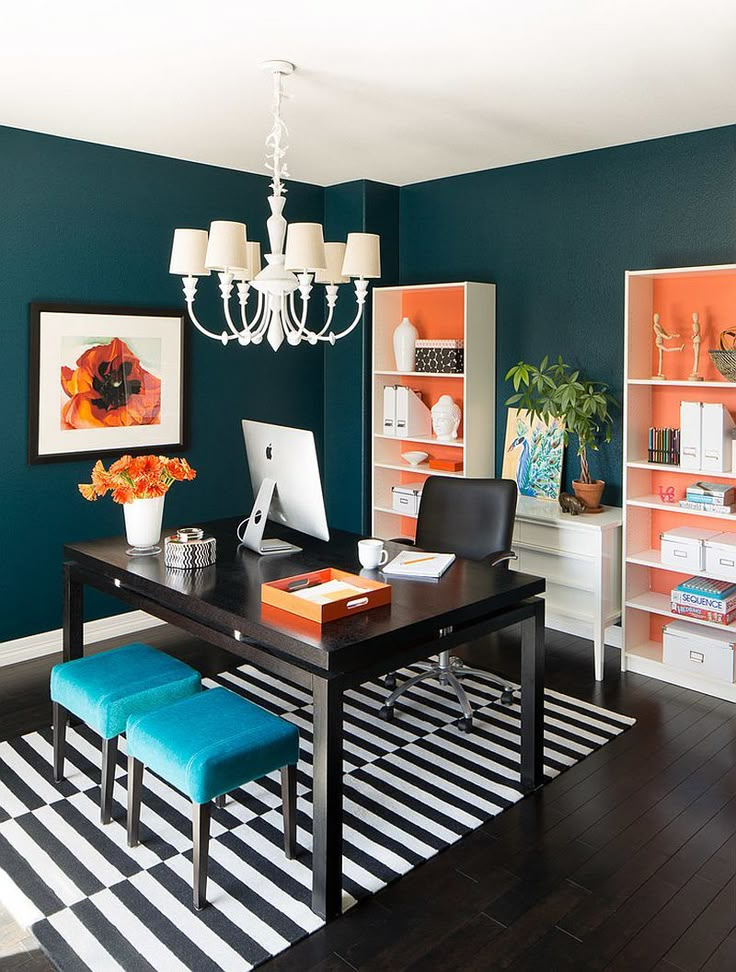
{"x":446,"y":417}
{"x":405,"y":341}
{"x":143,"y":519}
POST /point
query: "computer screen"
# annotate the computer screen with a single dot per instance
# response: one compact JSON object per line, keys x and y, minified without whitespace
{"x":286,"y":483}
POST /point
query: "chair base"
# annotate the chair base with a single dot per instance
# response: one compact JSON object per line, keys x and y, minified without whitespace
{"x":448,"y":671}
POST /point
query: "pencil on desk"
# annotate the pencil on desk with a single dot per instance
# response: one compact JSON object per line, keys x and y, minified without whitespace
{"x":418,"y":560}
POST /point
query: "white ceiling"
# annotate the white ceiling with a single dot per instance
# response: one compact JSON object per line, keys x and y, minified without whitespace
{"x":393,"y":90}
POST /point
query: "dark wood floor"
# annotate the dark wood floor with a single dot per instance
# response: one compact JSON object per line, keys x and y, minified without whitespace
{"x":626,"y":862}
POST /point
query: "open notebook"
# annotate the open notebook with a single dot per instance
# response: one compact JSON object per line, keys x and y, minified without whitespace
{"x":418,"y":563}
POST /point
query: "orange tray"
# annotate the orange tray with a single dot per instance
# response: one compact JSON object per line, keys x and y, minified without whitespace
{"x":280,"y":594}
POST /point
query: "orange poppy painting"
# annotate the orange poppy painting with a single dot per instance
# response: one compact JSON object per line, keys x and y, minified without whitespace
{"x":105,"y":380}
{"x":108,"y":387}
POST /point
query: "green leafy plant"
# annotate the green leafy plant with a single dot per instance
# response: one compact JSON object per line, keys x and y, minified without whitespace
{"x":554,"y":390}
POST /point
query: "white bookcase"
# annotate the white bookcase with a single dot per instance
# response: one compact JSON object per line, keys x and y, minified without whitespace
{"x":458,"y":311}
{"x":675,"y":295}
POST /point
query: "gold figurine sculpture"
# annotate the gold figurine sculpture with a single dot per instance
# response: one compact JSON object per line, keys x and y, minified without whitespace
{"x":660,"y":336}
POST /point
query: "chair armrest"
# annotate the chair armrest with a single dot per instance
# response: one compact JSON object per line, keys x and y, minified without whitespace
{"x":501,"y":557}
{"x":404,"y":541}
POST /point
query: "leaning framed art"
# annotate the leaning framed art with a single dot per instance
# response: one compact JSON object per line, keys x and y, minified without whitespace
{"x":105,"y":380}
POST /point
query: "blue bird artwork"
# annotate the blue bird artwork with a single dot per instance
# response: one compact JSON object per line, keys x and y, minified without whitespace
{"x":534,"y":454}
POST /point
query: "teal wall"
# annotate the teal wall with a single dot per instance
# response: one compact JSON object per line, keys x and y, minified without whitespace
{"x":556,"y":237}
{"x":369,"y":207}
{"x":85,"y":223}
{"x":89,"y":224}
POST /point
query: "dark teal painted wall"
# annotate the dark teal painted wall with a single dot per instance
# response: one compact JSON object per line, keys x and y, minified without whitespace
{"x":556,"y":237}
{"x":85,"y":223}
{"x":369,"y":207}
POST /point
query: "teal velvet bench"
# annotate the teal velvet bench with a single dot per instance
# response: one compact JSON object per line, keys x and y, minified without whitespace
{"x":206,"y":746}
{"x":104,"y":690}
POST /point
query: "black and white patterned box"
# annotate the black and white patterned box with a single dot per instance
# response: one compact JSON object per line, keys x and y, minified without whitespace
{"x":440,"y":357}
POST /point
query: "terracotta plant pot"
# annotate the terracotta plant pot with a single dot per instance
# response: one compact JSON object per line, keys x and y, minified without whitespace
{"x":590,"y":494}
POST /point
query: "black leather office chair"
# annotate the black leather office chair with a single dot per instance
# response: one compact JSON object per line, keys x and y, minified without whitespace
{"x":473,"y":518}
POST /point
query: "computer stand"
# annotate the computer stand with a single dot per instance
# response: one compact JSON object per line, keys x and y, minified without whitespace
{"x":253,"y":536}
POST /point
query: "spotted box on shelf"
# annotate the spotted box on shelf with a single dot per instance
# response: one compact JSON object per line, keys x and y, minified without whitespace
{"x":440,"y":357}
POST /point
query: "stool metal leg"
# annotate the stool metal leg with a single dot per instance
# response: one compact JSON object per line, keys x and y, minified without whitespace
{"x":201,"y":840}
{"x":288,"y":801}
{"x":109,"y":759}
{"x":220,"y":801}
{"x":60,"y":721}
{"x":135,"y":786}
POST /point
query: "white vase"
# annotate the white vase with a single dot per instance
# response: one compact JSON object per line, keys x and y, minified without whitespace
{"x":446,"y":416}
{"x":143,"y":519}
{"x":405,"y":341}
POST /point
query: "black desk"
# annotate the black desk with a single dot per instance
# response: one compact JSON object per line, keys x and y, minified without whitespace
{"x":222,"y":606}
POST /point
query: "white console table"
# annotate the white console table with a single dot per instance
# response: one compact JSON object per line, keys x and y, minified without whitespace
{"x":580,"y":558}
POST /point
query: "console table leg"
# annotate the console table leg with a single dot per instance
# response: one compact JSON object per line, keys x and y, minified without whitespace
{"x":532,"y":698}
{"x":73,"y":615}
{"x":327,"y":813}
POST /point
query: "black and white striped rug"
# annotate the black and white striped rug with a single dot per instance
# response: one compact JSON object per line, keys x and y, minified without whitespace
{"x":412,"y":788}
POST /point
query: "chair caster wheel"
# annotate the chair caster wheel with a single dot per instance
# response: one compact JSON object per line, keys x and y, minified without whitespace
{"x":507,"y":697}
{"x":465,"y":724}
{"x":387,"y":712}
{"x":389,"y":682}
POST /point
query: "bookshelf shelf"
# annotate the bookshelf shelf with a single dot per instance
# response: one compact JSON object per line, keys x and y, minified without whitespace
{"x":674,"y":294}
{"x":460,"y":311}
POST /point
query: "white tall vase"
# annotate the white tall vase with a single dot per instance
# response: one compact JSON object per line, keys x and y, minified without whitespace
{"x":143,"y":519}
{"x":405,"y":341}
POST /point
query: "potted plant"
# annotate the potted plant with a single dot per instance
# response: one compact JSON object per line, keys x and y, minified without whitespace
{"x":554,"y":390}
{"x":139,"y":484}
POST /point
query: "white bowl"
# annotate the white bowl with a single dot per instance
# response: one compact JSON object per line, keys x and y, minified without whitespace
{"x":414,"y":458}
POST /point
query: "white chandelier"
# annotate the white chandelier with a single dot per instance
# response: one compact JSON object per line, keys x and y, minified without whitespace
{"x":227,"y":250}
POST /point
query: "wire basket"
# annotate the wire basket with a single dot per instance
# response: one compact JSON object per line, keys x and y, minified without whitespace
{"x":725,"y":362}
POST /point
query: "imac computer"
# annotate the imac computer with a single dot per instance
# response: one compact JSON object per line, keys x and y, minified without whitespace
{"x":286,"y":485}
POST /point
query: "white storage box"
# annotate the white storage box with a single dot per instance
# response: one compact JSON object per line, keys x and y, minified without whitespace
{"x":720,"y":556}
{"x":684,"y":547}
{"x":698,"y":650}
{"x":405,"y":498}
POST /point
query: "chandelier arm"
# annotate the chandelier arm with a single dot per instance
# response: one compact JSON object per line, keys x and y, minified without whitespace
{"x":256,"y":317}
{"x":263,"y":324}
{"x":361,"y":292}
{"x":190,"y":292}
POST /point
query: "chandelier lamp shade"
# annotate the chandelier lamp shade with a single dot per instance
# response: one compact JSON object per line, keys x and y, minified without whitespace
{"x":298,"y":258}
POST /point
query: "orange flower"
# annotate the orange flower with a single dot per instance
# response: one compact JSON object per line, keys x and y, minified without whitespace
{"x":120,"y":465}
{"x":150,"y":486}
{"x":179,"y":469}
{"x":100,"y":479}
{"x":123,"y":493}
{"x":143,"y":477}
{"x":147,"y":466}
{"x":109,"y":387}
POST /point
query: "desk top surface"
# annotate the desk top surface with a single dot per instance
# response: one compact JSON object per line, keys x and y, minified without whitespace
{"x":227,"y":595}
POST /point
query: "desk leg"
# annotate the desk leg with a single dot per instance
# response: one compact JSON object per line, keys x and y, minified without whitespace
{"x":73,"y":615}
{"x":327,"y":812}
{"x":532,"y":698}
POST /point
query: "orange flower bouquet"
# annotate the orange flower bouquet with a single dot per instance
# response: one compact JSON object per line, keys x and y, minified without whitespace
{"x":143,"y":477}
{"x":140,"y":485}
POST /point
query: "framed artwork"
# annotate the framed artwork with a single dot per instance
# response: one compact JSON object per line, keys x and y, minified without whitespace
{"x":105,"y":380}
{"x":532,"y":454}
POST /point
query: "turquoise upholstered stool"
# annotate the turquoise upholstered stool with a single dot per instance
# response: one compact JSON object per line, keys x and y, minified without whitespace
{"x":104,"y":690}
{"x":205,"y":746}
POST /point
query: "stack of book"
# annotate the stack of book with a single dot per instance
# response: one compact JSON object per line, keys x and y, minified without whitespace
{"x":706,"y":600}
{"x":710,"y":498}
{"x":664,"y":446}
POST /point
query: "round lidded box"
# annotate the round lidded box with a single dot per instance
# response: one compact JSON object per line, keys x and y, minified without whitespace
{"x":189,"y":548}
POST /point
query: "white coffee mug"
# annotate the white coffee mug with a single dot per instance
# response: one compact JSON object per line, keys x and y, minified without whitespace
{"x":372,"y":553}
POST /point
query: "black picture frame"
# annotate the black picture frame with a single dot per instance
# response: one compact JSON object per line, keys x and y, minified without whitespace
{"x":36,"y":453}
